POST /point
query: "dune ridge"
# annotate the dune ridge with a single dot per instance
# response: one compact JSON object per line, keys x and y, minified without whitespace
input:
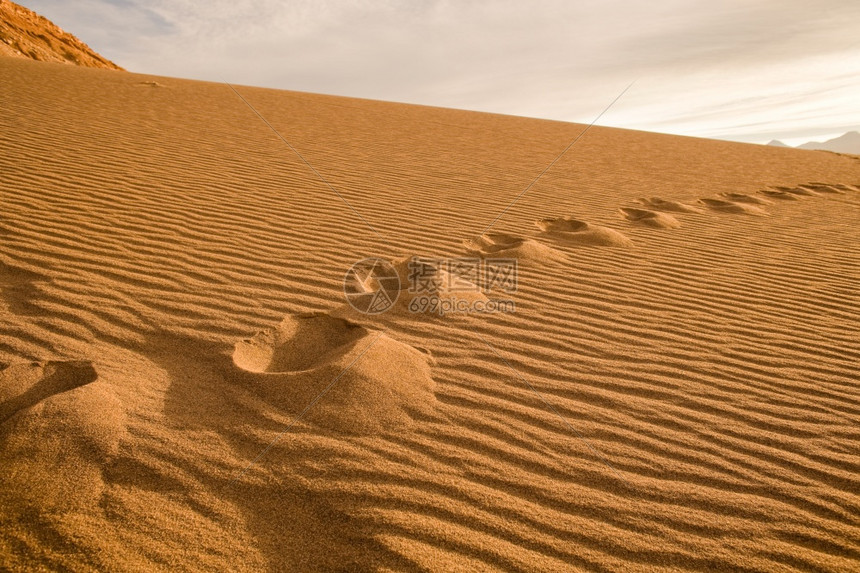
{"x":703,"y":379}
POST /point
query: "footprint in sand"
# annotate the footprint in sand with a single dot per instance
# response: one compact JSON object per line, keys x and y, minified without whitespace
{"x":839,"y":186}
{"x":779,"y":195}
{"x":845,"y":187}
{"x":443,"y":279}
{"x":724,"y":206}
{"x":59,"y":426}
{"x":743,"y":198}
{"x":337,"y":373}
{"x":18,"y":288}
{"x":504,"y":246}
{"x":439,"y":284}
{"x":648,"y":218}
{"x":575,"y":232}
{"x":825,"y":188}
{"x":800,"y":191}
{"x":669,"y":206}
{"x":26,"y":384}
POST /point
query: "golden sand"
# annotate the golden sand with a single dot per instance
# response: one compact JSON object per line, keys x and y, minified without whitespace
{"x":677,"y":389}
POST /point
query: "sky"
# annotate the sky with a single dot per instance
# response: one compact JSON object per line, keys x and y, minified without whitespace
{"x":742,"y":70}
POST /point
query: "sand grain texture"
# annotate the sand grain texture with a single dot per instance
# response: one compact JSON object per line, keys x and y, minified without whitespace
{"x":681,"y":400}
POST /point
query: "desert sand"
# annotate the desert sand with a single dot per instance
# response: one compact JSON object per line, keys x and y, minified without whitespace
{"x":676,"y":391}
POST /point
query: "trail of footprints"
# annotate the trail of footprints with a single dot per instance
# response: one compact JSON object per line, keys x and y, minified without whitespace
{"x":654,"y":213}
{"x":273,"y":370}
{"x":288,"y":364}
{"x":546,"y":247}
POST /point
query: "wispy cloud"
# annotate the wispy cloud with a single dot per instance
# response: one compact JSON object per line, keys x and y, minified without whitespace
{"x":746,"y":70}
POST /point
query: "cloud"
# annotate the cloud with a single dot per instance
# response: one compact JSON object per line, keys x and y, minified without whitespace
{"x":111,"y":27}
{"x":730,"y":68}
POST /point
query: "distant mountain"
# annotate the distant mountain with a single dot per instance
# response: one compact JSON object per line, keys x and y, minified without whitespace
{"x":25,"y":34}
{"x":847,"y":143}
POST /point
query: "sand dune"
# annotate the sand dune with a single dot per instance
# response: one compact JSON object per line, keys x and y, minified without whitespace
{"x":172,"y":298}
